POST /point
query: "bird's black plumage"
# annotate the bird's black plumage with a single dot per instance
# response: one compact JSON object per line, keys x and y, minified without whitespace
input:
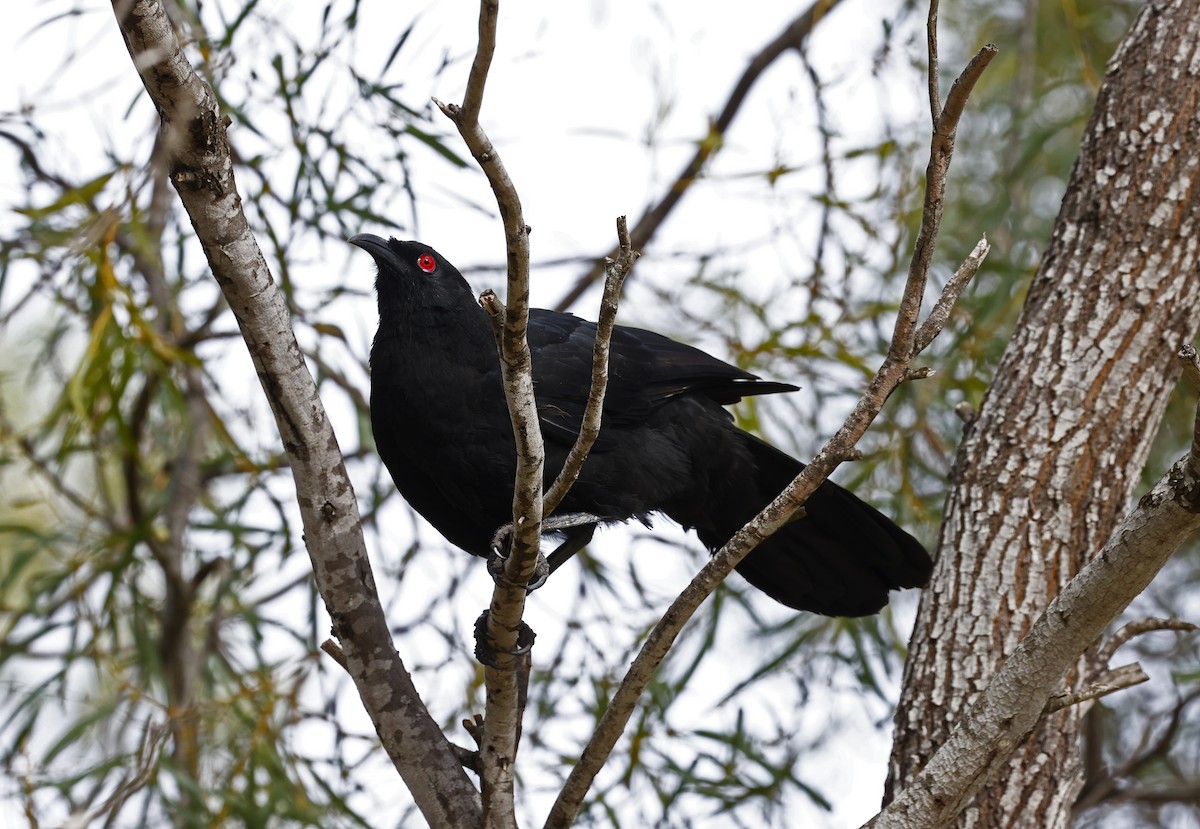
{"x":666,"y":443}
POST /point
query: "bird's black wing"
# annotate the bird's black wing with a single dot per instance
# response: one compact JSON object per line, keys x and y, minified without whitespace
{"x":645,"y":371}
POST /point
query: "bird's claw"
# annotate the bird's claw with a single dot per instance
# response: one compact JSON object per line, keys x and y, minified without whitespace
{"x":542,"y":570}
{"x":487,"y":652}
{"x":495,"y":568}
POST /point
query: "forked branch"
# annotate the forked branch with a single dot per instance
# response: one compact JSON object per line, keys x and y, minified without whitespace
{"x":894,"y":371}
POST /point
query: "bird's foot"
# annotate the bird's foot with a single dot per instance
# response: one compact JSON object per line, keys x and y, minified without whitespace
{"x":498,"y":558}
{"x":485,"y":648}
{"x":555,"y":523}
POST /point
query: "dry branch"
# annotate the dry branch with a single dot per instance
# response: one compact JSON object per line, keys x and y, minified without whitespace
{"x":1118,"y":679}
{"x":1140,"y":627}
{"x":785,"y":507}
{"x":941,"y":150}
{"x":615,"y":272}
{"x":502,"y":626}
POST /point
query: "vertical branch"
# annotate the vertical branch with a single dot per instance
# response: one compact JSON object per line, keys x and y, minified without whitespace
{"x":935,"y":97}
{"x":1190,"y":362}
{"x":502,"y":623}
{"x":489,"y":11}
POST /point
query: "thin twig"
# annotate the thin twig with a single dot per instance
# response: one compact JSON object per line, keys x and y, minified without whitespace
{"x":940,"y":153}
{"x":941,"y":310}
{"x":56,"y":480}
{"x":1115,"y":679}
{"x":935,"y":97}
{"x":1107,"y":683}
{"x":1139,"y":628}
{"x":615,"y":272}
{"x":826,"y":132}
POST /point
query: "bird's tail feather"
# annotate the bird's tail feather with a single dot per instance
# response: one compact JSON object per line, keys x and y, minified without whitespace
{"x":840,"y":559}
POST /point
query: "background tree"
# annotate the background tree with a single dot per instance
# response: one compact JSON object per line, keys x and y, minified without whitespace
{"x":151,"y":644}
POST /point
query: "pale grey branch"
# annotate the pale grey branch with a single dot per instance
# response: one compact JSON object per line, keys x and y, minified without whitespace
{"x":1137,"y":628}
{"x":501,"y":725}
{"x":936,"y":320}
{"x":197,"y":154}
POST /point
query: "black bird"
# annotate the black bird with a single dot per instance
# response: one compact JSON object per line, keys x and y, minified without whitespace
{"x":666,"y":443}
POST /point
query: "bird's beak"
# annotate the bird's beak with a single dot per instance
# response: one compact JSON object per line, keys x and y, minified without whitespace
{"x":376,"y":246}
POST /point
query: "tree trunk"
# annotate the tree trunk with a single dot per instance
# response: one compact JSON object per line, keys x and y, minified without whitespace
{"x":1047,"y":468}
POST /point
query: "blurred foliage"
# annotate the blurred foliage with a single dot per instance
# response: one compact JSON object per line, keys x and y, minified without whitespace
{"x":160,"y":662}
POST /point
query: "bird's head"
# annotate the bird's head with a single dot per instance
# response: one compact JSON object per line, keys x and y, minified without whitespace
{"x":413,"y":276}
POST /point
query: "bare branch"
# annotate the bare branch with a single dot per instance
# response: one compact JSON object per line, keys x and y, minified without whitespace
{"x":792,"y":37}
{"x":1191,"y":373}
{"x":1139,"y":628}
{"x":335,"y":653}
{"x":935,"y":97}
{"x":502,"y":625}
{"x":941,"y":310}
{"x":780,"y":511}
{"x":1116,"y":679}
{"x":615,"y":272}
{"x":197,"y":155}
{"x":489,"y":12}
{"x":1109,"y":682}
{"x":493,"y":306}
{"x":940,"y":153}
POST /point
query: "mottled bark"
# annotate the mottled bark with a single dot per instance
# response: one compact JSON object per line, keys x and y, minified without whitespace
{"x":200,"y":164}
{"x":1047,"y":468}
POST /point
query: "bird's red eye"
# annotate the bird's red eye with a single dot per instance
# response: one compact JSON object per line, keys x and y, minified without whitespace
{"x":426,"y":263}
